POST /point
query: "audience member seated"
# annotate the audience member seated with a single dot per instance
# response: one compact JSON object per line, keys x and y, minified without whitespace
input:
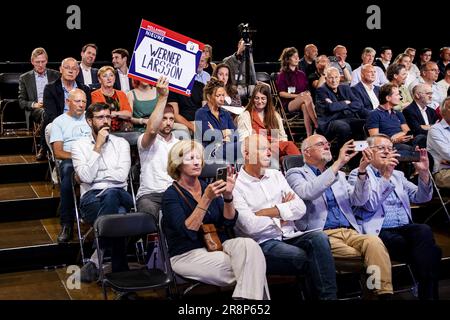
{"x":260,"y":117}
{"x":413,"y":70}
{"x":223,"y":73}
{"x":385,"y":59}
{"x":418,"y":115}
{"x":443,"y":62}
{"x":397,"y":75}
{"x":190,"y":203}
{"x":201,"y":75}
{"x":142,"y":100}
{"x":412,"y":76}
{"x":444,"y":84}
{"x":341,"y":115}
{"x":214,"y":126}
{"x":388,"y":214}
{"x":317,"y":78}
{"x":367,"y":57}
{"x":88,"y":75}
{"x":392,"y":123}
{"x":56,"y":93}
{"x":154,"y":146}
{"x":329,"y":199}
{"x":120,"y":59}
{"x":185,"y":107}
{"x":425,"y":55}
{"x":366,"y":91}
{"x":31,"y":91}
{"x":102,"y":162}
{"x":292,"y":86}
{"x":338,"y":61}
{"x":210,"y":66}
{"x":307,"y":63}
{"x":116,"y":99}
{"x":438,"y":144}
{"x":65,"y":130}
{"x":267,"y":209}
{"x":429,"y":73}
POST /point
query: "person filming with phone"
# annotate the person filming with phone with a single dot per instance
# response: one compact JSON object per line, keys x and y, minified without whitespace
{"x":387,"y":213}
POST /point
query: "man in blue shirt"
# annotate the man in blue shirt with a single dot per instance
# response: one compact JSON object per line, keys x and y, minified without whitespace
{"x":388,"y":214}
{"x":329,"y":199}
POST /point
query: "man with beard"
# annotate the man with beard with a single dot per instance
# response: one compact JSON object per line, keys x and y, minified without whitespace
{"x":102,"y":162}
{"x":65,"y":130}
{"x":88,"y":74}
{"x":154,"y":146}
{"x":329,"y":199}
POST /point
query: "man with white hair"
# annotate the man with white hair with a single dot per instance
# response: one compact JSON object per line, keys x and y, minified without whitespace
{"x":366,"y":91}
{"x":329,"y":199}
{"x":367,"y":57}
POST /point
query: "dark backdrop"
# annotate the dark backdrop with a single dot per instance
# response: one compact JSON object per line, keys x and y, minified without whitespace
{"x":325,"y":23}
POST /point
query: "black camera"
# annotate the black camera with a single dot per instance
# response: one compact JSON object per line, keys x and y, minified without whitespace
{"x":244,"y":32}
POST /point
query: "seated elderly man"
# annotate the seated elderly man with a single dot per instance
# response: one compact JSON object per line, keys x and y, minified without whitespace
{"x":438,"y":145}
{"x":329,"y":199}
{"x":267,"y":209}
{"x":388,"y":213}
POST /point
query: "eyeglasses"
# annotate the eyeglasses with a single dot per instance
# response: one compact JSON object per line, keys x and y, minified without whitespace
{"x":320,"y":144}
{"x":383,"y":147}
{"x":103,"y":117}
{"x":433,"y":70}
{"x":427,"y":93}
{"x":79,"y":101}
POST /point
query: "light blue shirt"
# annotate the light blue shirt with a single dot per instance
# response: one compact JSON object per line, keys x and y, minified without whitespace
{"x":66,"y":94}
{"x":68,"y":129}
{"x":202,"y":77}
{"x":41,"y":82}
{"x":438,"y":144}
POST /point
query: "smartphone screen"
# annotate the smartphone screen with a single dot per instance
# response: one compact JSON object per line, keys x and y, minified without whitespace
{"x":360,"y":145}
{"x":221,"y":174}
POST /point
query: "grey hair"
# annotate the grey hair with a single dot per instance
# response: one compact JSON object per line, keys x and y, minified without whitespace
{"x":371,"y":140}
{"x":329,"y":69}
{"x":369,"y":50}
{"x":305,"y":145}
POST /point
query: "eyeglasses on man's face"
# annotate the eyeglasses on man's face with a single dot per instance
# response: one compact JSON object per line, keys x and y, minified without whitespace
{"x":382,"y":148}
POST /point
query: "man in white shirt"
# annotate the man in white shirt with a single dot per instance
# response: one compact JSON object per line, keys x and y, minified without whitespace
{"x":367,"y":57}
{"x":102,"y":162}
{"x":88,"y":75}
{"x":365,"y":90}
{"x":429,"y":73}
{"x":267,"y":209}
{"x":65,"y":130}
{"x":154,"y":146}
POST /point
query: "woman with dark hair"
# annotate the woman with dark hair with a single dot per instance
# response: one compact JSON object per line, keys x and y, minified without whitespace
{"x":224,"y":74}
{"x":188,"y":204}
{"x":210,"y":66}
{"x":214,"y":126}
{"x":292,"y":85}
{"x":260,"y":117}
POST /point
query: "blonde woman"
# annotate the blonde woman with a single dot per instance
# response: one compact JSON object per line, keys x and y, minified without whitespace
{"x":188,"y":204}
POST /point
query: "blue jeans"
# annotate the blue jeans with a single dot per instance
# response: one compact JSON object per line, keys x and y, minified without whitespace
{"x":67,"y":207}
{"x":310,"y":255}
{"x":111,"y":201}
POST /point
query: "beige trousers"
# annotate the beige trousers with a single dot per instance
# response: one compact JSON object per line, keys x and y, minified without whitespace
{"x":241,"y":262}
{"x":346,"y":243}
{"x":442,"y":178}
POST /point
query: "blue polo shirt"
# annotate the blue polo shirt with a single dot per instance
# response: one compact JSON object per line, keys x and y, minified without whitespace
{"x":387,"y":122}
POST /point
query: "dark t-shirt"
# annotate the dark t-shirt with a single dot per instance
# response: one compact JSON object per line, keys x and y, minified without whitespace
{"x":188,"y":105}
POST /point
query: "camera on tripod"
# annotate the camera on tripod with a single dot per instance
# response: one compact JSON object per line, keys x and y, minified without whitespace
{"x":244,"y":31}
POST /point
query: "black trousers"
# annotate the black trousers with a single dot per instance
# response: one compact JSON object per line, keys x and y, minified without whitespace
{"x":414,"y":243}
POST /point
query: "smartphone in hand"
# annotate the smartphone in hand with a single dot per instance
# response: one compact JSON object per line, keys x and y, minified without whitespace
{"x":360,"y":145}
{"x":221,"y":174}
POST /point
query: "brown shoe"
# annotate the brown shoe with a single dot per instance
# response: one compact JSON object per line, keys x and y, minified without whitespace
{"x":42,"y":155}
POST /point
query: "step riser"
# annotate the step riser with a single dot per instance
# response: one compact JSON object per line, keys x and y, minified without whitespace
{"x":14,"y":145}
{"x":20,"y":210}
{"x":38,"y":257}
{"x":27,"y":172}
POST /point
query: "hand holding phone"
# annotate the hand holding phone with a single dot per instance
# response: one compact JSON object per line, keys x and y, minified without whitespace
{"x":222,"y":174}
